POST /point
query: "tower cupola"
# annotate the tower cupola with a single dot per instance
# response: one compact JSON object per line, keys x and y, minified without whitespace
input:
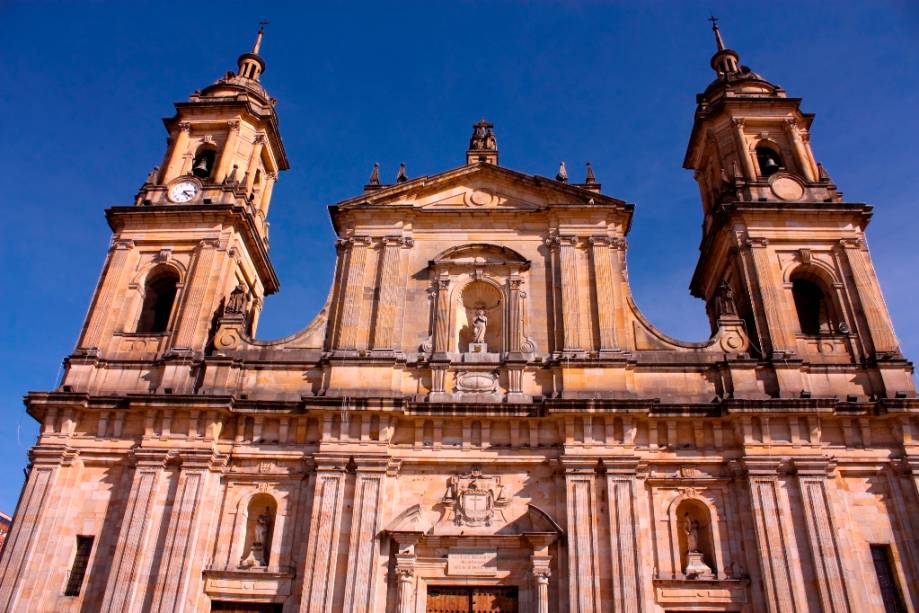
{"x":251,"y":65}
{"x":725,"y":61}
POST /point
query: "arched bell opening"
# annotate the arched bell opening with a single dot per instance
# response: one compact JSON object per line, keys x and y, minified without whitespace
{"x":814,"y":305}
{"x":479,"y":317}
{"x":160,"y":291}
{"x":203,"y":164}
{"x":768,"y":158}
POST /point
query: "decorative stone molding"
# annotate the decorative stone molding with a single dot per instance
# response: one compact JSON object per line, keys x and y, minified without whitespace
{"x":475,"y":498}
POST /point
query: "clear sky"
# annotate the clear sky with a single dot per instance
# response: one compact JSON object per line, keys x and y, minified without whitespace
{"x":84,"y":86}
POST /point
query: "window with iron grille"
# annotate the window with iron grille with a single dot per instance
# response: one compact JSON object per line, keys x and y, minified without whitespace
{"x":887,"y":579}
{"x":80,"y":562}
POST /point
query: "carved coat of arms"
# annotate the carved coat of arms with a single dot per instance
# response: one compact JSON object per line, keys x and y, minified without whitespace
{"x":475,"y":498}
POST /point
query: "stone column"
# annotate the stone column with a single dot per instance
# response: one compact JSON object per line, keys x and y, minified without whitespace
{"x":325,"y":529}
{"x":870,"y":297}
{"x":603,"y":276}
{"x":256,"y":154}
{"x":583,"y":583}
{"x":774,"y":545}
{"x":194,"y":319}
{"x":554,"y":302}
{"x":405,"y":570}
{"x":265,"y":201}
{"x":29,"y":520}
{"x":99,"y":322}
{"x":822,"y":535}
{"x":391,"y":292}
{"x":541,"y":568}
{"x":514,"y":314}
{"x":623,"y":524}
{"x":353,"y":296}
{"x":442,"y":314}
{"x":569,"y":278}
{"x":771,"y":299}
{"x":179,"y":149}
{"x":804,"y":162}
{"x":132,"y":549}
{"x":182,"y":533}
{"x":360,"y":586}
{"x":743,"y":153}
{"x":229,"y":151}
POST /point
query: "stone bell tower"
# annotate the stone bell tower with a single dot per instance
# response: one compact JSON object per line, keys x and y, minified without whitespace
{"x":195,"y":242}
{"x":783,"y":244}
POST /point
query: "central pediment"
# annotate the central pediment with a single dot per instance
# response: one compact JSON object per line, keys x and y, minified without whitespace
{"x":477,"y":187}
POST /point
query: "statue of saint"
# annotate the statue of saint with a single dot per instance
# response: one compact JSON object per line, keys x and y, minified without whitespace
{"x":726,"y":304}
{"x":478,"y":326}
{"x":262,"y":526}
{"x":691,"y":527}
{"x":260,"y":542}
{"x":236,"y":303}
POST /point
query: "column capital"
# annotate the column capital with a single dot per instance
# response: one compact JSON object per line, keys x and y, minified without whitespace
{"x":762,"y":466}
{"x":820,"y":466}
{"x":330,"y":463}
{"x":52,"y":455}
{"x":234,"y":125}
{"x":600,"y":241}
{"x":377,"y":464}
{"x":579,"y":466}
{"x":192,"y":459}
{"x":623,"y":466}
{"x":185,"y":126}
{"x":756,"y":241}
{"x":150,"y":458}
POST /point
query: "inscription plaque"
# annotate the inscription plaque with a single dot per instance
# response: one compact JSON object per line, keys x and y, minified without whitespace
{"x":472,"y":561}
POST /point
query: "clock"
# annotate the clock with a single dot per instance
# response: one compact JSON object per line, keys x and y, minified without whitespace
{"x":183,"y":191}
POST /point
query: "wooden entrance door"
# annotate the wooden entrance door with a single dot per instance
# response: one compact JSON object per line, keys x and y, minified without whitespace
{"x":471,"y":599}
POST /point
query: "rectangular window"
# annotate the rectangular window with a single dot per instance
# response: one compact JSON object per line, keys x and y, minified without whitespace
{"x":887,"y":579}
{"x":80,"y":562}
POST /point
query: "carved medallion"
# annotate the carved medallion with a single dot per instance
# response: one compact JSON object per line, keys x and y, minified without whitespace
{"x":787,"y":188}
{"x":479,"y":197}
{"x":476,"y":382}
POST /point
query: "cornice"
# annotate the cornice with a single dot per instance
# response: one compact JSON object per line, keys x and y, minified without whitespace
{"x":117,"y":215}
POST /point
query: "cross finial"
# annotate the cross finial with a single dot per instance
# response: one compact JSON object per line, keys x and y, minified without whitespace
{"x":258,"y":37}
{"x":718,"y":40}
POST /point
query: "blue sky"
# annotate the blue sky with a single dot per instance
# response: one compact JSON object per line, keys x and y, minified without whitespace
{"x":85,"y":85}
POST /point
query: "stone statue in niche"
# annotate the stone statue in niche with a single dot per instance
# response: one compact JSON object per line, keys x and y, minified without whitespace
{"x":691,"y":527}
{"x":696,"y":568}
{"x":478,"y":326}
{"x":236,"y":303}
{"x":258,"y":554}
{"x":726,"y":304}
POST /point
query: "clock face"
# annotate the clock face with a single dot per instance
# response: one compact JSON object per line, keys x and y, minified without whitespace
{"x":183,"y":191}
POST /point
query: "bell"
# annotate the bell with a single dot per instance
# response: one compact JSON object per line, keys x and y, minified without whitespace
{"x":770,"y":166}
{"x":201,"y":168}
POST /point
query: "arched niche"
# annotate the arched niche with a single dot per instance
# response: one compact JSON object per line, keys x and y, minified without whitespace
{"x":476,"y":276}
{"x":695,"y":538}
{"x":477,"y":299}
{"x":261,"y":518}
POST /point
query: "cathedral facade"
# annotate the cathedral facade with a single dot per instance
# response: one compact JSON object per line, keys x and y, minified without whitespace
{"x":479,"y":418}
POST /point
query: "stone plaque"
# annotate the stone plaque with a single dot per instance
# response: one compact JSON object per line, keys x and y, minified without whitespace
{"x":478,"y":561}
